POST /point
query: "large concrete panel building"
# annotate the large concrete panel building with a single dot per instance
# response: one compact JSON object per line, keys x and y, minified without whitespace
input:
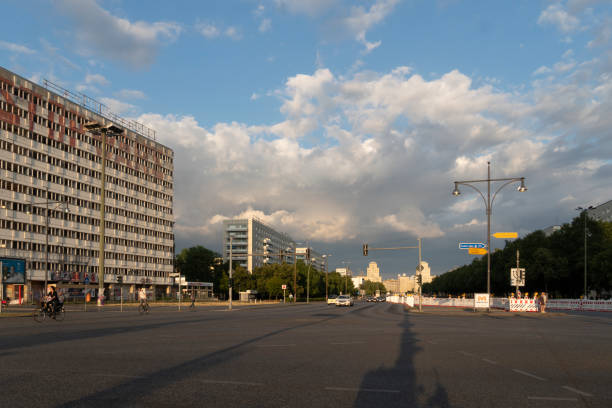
{"x":51,"y":193}
{"x":251,"y":239}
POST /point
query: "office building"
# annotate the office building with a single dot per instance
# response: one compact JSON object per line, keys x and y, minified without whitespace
{"x":255,"y":243}
{"x":50,"y":194}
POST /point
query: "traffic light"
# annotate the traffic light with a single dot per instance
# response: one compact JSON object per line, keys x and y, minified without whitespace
{"x":365,"y":249}
{"x":307,"y":253}
{"x":419,"y":279}
{"x":231,"y":282}
{"x":119,"y":279}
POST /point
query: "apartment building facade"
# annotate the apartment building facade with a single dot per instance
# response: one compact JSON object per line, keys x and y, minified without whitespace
{"x":50,"y":194}
{"x":255,"y":243}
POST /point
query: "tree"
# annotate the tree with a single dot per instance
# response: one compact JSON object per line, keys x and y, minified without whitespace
{"x":370,"y":287}
{"x":196,"y":262}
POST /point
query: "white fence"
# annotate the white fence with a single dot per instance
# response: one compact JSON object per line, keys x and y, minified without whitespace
{"x":510,"y":304}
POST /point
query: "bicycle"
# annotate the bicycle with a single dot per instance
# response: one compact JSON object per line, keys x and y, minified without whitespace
{"x":143,"y":308}
{"x":46,"y":311}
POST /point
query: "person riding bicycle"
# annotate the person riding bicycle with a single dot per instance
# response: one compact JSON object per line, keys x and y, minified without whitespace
{"x":52,"y":301}
{"x":142,"y":296}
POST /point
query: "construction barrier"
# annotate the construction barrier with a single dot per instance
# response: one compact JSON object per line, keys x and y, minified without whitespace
{"x":580,"y":305}
{"x":402,"y":300}
{"x":523,"y":305}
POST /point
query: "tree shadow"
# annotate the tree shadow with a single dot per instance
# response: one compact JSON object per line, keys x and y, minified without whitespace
{"x":398,"y":386}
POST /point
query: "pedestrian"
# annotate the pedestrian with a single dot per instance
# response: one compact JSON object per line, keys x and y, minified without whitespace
{"x":193,"y":299}
{"x":543,"y":300}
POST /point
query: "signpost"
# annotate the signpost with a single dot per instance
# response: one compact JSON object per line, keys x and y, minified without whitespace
{"x":284,"y":289}
{"x":509,"y":235}
{"x":477,"y":251}
{"x":468,"y":245}
{"x":481,"y":301}
{"x":517,"y":277}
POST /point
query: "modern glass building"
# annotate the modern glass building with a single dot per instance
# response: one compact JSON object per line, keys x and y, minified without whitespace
{"x":50,"y":193}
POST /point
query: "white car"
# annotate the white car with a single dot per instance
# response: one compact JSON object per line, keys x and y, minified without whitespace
{"x":344,"y":300}
{"x":331,"y":300}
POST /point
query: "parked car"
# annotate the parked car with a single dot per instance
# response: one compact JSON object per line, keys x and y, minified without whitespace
{"x":381,"y":299}
{"x":331,"y":300}
{"x":370,"y":299}
{"x":344,"y":300}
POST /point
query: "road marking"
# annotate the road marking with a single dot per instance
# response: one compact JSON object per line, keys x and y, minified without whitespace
{"x":231,"y":382}
{"x":465,"y":353}
{"x":528,"y":374}
{"x":276,"y":345}
{"x":586,"y":394}
{"x":348,"y":342}
{"x":489,"y":361}
{"x":552,"y":399}
{"x":360,"y":389}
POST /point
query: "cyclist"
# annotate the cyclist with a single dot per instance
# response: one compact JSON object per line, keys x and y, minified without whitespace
{"x":142,"y":297}
{"x":52,"y":301}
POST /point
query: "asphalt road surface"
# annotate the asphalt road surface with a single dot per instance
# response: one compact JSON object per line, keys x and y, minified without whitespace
{"x":369,"y":355}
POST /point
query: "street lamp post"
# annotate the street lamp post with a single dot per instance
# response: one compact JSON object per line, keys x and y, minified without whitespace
{"x":231,"y":239}
{"x":489,"y":205}
{"x":584,"y":210}
{"x":347,"y":266}
{"x":326,"y":284}
{"x":97,"y":128}
{"x":66,"y":210}
{"x":308,"y":280}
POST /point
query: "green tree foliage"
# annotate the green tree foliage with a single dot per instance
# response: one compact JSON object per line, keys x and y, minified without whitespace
{"x":554,"y":264}
{"x":198,"y":265}
{"x":370,"y":287}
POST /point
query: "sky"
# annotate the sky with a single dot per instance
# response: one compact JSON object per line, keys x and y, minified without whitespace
{"x":346,"y":122}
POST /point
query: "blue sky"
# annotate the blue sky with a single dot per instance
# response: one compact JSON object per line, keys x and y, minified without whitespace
{"x":342,"y":122}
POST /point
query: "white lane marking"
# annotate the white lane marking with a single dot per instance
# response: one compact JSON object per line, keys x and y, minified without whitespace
{"x":348,"y":342}
{"x":465,"y":353}
{"x":360,"y":389}
{"x":489,"y":361}
{"x":276,"y":345}
{"x":431,"y":342}
{"x":586,"y":394}
{"x":231,"y":382}
{"x":552,"y":399}
{"x":528,"y":374}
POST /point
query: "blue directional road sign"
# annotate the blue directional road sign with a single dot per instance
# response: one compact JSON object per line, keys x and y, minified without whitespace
{"x":468,"y":245}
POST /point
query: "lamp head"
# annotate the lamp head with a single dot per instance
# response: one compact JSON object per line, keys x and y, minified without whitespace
{"x":456,"y":191}
{"x":522,"y":187}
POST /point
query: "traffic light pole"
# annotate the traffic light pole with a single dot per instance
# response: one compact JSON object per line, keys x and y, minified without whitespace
{"x":419,"y":276}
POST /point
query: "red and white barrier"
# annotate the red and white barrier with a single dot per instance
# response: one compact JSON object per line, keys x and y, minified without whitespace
{"x":523,"y":305}
{"x":580,"y":305}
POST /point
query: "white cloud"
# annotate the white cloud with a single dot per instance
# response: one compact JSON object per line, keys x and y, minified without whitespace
{"x":556,"y":15}
{"x":130,"y":94}
{"x":100,"y":33}
{"x":117,"y":106}
{"x":208,"y":30}
{"x":255,"y":96}
{"x":96,"y":79}
{"x":265,"y":25}
{"x":233,"y":33}
{"x":543,"y":70}
{"x":308,"y":7}
{"x":18,"y":48}
{"x":361,"y":20}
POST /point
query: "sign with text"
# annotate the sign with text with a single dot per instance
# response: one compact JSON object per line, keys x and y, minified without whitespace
{"x":517,"y":276}
{"x":481,"y":300}
{"x":477,"y":251}
{"x":509,"y":235}
{"x":468,"y":245}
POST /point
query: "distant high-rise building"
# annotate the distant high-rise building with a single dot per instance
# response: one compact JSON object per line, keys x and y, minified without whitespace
{"x":373,"y":272}
{"x":252,"y":236}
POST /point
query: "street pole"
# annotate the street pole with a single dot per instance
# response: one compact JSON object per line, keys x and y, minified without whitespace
{"x":585,"y":254}
{"x":488,"y":201}
{"x":102,"y":218}
{"x":46,"y":243}
{"x":517,"y":267}
{"x":421,"y":274}
{"x":295,"y":274}
{"x":489,"y":234}
{"x":231,"y":239}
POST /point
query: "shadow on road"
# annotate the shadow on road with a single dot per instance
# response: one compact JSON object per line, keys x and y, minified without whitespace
{"x":399,"y":386}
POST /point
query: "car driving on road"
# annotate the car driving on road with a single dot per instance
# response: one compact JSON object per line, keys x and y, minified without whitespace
{"x":344,"y":300}
{"x":331,"y":300}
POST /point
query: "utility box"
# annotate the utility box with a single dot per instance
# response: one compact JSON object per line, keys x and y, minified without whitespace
{"x":248,"y":296}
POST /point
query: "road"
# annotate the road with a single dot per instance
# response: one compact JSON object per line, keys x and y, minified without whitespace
{"x":370,"y":355}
